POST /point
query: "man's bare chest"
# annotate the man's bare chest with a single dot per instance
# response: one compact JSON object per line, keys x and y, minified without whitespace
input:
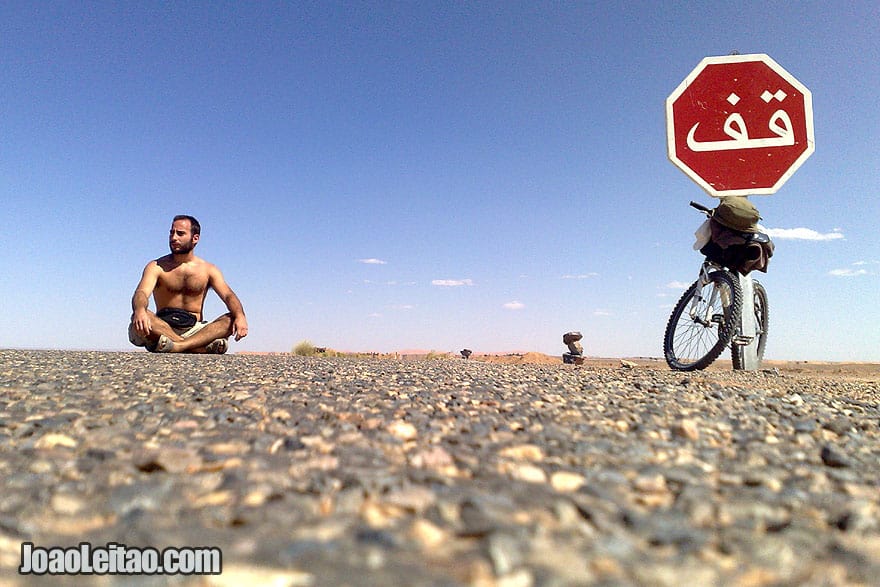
{"x":183,"y":280}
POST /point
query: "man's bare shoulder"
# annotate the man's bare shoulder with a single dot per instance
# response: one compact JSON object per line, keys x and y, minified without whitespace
{"x":200,"y":264}
{"x":165,"y":262}
{"x":211,"y":269}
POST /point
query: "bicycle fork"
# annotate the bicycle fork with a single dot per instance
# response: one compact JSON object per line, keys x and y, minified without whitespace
{"x":701,"y":309}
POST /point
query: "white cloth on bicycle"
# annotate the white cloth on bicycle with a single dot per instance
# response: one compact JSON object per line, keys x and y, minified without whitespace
{"x":703,"y":235}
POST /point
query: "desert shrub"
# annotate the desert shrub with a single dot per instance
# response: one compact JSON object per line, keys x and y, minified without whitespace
{"x":304,"y":349}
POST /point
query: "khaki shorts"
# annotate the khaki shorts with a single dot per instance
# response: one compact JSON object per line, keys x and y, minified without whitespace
{"x":137,"y":340}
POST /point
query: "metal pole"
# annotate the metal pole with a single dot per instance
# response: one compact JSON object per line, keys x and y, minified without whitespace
{"x":748,"y":328}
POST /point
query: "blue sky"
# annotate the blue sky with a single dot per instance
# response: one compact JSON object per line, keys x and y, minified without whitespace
{"x":394,"y":175}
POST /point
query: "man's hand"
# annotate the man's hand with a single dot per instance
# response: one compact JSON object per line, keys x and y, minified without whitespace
{"x":239,"y":327}
{"x":141,"y":320}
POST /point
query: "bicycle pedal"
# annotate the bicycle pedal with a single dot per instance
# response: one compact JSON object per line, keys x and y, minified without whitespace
{"x":742,"y":340}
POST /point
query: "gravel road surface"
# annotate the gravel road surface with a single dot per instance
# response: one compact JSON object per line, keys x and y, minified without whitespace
{"x":339,"y":471}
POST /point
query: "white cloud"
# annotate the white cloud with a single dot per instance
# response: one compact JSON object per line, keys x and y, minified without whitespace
{"x":452,"y":282}
{"x":372,"y":261}
{"x":677,"y":285}
{"x":514,"y":305}
{"x":803,"y":234}
{"x":403,"y":307}
{"x":601,"y":313}
{"x":847,"y":272}
{"x":581,"y":276}
{"x":375,"y":315}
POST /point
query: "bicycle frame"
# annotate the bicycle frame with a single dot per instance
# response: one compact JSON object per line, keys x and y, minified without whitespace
{"x":746,"y":330}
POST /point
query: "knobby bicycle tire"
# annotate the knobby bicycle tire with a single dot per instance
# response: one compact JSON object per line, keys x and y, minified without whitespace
{"x":762,"y":323}
{"x":685,"y":336}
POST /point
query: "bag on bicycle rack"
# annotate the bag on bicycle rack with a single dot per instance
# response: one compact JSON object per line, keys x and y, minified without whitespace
{"x":741,"y":251}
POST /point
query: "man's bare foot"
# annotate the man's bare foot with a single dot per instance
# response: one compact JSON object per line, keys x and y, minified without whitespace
{"x":164,"y":345}
{"x":217,"y":346}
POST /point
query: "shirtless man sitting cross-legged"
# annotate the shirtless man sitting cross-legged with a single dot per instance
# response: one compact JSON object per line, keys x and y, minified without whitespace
{"x":179,"y":283}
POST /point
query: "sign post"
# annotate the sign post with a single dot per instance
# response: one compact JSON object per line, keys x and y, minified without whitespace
{"x":740,"y":125}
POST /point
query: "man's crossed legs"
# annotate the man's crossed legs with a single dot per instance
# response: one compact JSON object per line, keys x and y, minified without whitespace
{"x":204,"y":337}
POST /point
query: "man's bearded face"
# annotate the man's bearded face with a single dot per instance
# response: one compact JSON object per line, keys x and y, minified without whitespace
{"x":180,"y":239}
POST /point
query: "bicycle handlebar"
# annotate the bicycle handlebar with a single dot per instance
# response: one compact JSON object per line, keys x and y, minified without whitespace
{"x":700,"y":207}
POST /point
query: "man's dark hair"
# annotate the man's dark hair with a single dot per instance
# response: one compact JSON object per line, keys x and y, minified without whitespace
{"x":196,"y":227}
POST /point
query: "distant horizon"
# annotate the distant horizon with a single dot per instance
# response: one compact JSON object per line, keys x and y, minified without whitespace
{"x":455,"y":354}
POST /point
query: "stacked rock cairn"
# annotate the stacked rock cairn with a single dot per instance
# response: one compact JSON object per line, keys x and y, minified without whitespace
{"x":575,"y":354}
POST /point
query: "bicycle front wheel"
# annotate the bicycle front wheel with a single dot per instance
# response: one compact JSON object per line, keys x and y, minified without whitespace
{"x":703,"y":322}
{"x":762,"y":325}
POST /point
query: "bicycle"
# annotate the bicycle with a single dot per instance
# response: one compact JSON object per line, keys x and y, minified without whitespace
{"x":713,"y":314}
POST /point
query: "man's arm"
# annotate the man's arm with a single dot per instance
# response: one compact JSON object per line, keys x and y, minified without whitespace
{"x":140,"y":301}
{"x":233,"y":304}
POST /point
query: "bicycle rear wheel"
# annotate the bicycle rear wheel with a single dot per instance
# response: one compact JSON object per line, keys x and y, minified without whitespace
{"x":762,"y":324}
{"x":703,"y":322}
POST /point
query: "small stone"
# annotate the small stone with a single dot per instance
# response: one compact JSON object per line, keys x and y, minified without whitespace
{"x":570,"y":337}
{"x":232,"y":448}
{"x":525,"y":472}
{"x":861,"y":516}
{"x":606,"y":567}
{"x":414,"y":499}
{"x":833,"y":457}
{"x":839,"y":426}
{"x":518,"y":578}
{"x":257,"y":497}
{"x":686,"y":428}
{"x":403,"y":430}
{"x":178,"y":460}
{"x":281,"y":414}
{"x":380,"y":515}
{"x":433,"y":458}
{"x":41,"y":466}
{"x":426,"y":534}
{"x":505,"y":553}
{"x":52,"y":440}
{"x":215,"y":498}
{"x":185,"y":425}
{"x":523,"y":452}
{"x":566,"y":482}
{"x":67,"y":504}
{"x":805,"y":426}
{"x":650,"y":483}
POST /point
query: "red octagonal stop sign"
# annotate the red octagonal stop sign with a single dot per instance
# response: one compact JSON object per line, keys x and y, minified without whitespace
{"x":739,"y":125}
